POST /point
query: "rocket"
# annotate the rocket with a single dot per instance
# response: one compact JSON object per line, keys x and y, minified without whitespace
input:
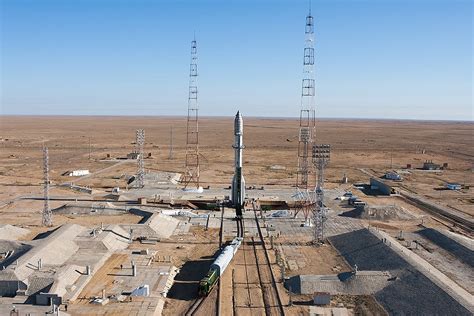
{"x":238,"y":182}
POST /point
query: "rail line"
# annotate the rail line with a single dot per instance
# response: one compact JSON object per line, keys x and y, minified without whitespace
{"x":194,"y":308}
{"x":257,"y":276}
{"x":205,"y":303}
{"x":457,"y":219}
{"x":267,"y":279}
{"x":198,"y":303}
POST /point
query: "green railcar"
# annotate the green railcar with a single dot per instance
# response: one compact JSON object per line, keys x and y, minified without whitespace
{"x":208,"y":282}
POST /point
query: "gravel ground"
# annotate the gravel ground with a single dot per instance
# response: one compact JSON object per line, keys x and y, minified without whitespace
{"x":459,"y":251}
{"x":411,"y":293}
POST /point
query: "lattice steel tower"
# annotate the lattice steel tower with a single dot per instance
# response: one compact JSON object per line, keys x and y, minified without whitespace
{"x":140,"y":143}
{"x":307,"y":111}
{"x":191,"y":174}
{"x":304,"y":191}
{"x":321,"y":156}
{"x":47,"y":216}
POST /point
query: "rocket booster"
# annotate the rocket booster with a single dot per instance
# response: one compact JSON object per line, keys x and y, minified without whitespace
{"x":238,"y":182}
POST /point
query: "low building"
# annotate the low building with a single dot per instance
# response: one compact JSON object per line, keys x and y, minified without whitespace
{"x":56,"y":268}
{"x":133,"y":155}
{"x":453,"y":186}
{"x":78,"y":173}
{"x":429,"y":165}
{"x":393,"y":176}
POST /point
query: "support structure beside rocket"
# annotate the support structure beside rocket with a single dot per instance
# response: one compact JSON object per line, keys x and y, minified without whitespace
{"x":238,"y":182}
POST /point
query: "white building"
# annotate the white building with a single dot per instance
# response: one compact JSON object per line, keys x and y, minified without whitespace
{"x":78,"y":173}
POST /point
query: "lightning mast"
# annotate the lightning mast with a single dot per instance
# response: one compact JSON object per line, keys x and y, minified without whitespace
{"x":47,"y":217}
{"x":140,"y":143}
{"x":191,"y":174}
{"x":307,"y":120}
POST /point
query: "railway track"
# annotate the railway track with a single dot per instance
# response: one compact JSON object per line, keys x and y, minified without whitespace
{"x":193,"y":309}
{"x":207,"y":305}
{"x":215,"y":295}
{"x":457,"y":219}
{"x":256,"y":282}
{"x":271,"y":295}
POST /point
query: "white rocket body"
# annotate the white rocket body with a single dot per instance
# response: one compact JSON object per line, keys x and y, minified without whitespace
{"x":238,"y":182}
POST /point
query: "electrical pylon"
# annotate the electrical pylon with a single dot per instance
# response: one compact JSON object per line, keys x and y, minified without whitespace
{"x":140,"y":143}
{"x":47,"y":216}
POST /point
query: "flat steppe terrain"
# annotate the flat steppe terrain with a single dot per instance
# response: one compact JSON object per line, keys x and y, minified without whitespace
{"x":269,"y":157}
{"x":358,"y":148}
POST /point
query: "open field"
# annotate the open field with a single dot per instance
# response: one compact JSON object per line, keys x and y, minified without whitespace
{"x":359,"y":149}
{"x":355,"y":144}
{"x":376,"y":145}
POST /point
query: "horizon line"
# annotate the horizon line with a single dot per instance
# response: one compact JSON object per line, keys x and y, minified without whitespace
{"x":329,"y":118}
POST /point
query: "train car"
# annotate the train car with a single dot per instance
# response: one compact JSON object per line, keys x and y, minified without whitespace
{"x":218,"y":267}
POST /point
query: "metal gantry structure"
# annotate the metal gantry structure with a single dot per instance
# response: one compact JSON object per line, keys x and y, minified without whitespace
{"x":47,"y":216}
{"x":140,"y":144}
{"x":191,"y":173}
{"x":307,"y":123}
{"x":321,"y":157}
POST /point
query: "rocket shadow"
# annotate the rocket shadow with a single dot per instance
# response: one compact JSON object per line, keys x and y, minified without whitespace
{"x":185,"y":286}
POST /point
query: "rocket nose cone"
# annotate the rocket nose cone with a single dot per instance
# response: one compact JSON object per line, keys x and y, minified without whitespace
{"x":238,"y":123}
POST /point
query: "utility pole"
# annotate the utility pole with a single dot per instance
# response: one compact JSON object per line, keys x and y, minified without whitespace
{"x":47,"y":217}
{"x":170,"y":156}
{"x":391,"y":157}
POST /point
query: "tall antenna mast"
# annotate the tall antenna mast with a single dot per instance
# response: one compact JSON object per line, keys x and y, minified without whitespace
{"x":47,"y":217}
{"x":191,"y":174}
{"x":140,"y":143}
{"x":307,"y":116}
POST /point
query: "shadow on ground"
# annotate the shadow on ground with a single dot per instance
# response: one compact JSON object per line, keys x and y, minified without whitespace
{"x":186,"y":282}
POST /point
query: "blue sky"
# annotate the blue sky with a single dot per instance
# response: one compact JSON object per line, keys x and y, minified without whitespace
{"x":407,"y":59}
